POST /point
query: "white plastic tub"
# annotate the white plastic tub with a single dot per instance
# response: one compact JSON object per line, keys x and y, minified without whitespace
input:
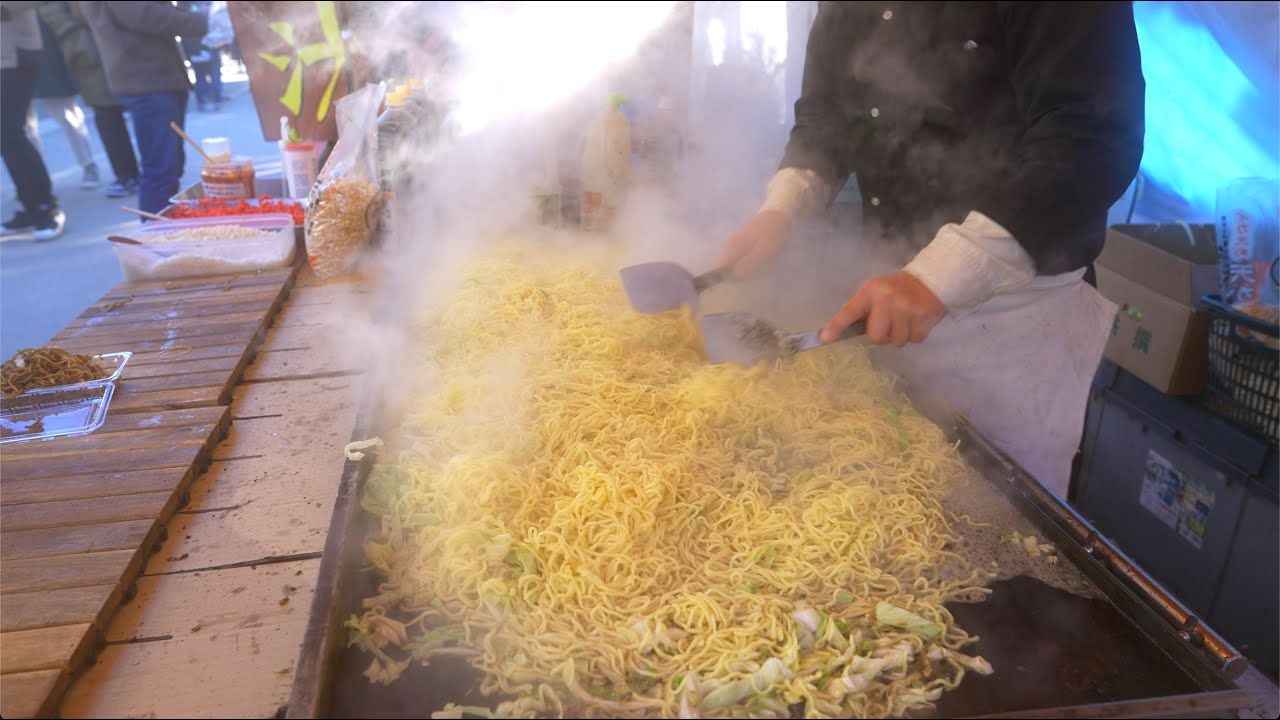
{"x":162,"y":260}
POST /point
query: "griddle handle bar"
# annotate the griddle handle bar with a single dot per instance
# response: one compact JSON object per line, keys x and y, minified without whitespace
{"x":708,"y":280}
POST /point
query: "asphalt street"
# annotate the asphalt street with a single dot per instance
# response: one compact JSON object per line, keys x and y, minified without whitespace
{"x":45,"y":285}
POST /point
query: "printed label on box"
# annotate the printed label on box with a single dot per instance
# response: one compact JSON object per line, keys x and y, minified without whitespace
{"x":1178,"y":500}
{"x":1197,"y":503}
{"x":1160,"y":490}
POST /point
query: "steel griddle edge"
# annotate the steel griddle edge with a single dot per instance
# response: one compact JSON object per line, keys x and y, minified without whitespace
{"x":1142,"y":655}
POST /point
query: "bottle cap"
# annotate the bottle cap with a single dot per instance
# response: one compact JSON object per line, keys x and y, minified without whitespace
{"x":218,"y":148}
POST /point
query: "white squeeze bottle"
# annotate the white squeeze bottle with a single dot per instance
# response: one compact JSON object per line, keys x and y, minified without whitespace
{"x":606,"y":165}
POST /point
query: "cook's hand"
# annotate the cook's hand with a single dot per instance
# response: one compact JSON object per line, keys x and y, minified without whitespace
{"x":898,"y":309}
{"x":753,"y":248}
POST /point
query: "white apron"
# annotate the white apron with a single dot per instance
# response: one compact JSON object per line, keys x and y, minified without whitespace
{"x":1019,"y":367}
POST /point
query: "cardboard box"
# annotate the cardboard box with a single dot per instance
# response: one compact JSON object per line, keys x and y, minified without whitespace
{"x":1157,"y":275}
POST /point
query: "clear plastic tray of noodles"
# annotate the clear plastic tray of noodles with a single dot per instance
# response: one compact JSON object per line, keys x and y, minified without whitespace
{"x":57,"y":412}
{"x":62,"y":410}
{"x":113,"y":363}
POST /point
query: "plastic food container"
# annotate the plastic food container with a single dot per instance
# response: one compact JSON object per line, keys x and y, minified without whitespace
{"x":54,"y":412}
{"x":113,"y":362}
{"x":62,"y":410}
{"x":168,"y":259}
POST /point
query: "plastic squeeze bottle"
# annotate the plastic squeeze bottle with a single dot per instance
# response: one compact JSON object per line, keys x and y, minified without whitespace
{"x":606,"y":165}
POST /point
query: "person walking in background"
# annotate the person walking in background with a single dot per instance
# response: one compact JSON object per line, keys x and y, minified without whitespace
{"x":206,"y":64}
{"x":81,"y":55}
{"x":146,"y":71}
{"x":56,"y":93}
{"x":19,"y":70}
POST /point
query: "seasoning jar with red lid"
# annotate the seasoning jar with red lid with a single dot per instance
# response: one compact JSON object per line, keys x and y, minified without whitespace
{"x":224,"y":176}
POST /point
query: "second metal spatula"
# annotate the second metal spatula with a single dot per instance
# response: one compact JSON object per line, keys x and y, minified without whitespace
{"x":656,"y":287}
{"x":746,"y":339}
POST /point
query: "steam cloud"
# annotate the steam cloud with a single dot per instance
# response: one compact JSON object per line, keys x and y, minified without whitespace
{"x":478,"y":186}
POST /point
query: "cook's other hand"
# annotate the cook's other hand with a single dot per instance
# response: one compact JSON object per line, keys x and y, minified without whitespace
{"x":898,"y":309}
{"x":755,"y":246}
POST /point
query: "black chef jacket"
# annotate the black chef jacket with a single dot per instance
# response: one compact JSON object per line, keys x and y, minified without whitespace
{"x":1030,"y":113}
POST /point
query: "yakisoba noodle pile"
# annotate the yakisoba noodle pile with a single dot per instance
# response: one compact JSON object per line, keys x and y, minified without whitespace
{"x":45,"y":366}
{"x":605,"y":525}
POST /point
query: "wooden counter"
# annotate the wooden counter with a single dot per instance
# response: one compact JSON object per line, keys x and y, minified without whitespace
{"x":216,"y":625}
{"x":235,"y":525}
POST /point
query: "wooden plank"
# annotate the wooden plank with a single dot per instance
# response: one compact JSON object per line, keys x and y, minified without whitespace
{"x":219,"y":295}
{"x":181,"y":366}
{"x":274,"y":505}
{"x":202,"y":284}
{"x":48,"y":608}
{"x":160,"y":437}
{"x":307,"y":278}
{"x":278,"y":478}
{"x":177,"y":333}
{"x":251,"y":532}
{"x":210,"y":416}
{"x":239,"y":339}
{"x":245,"y":673}
{"x":179,"y":322}
{"x":49,"y":648}
{"x":329,"y":312}
{"x":296,"y":396}
{"x":200,"y":604}
{"x":124,"y":306}
{"x":299,"y":363}
{"x":66,"y":513}
{"x":210,"y":378}
{"x":278,"y":503}
{"x":171,"y":356}
{"x":125,"y":292}
{"x":17,"y":492}
{"x":104,"y":462}
{"x":311,"y":337}
{"x":304,"y":438}
{"x":170,"y":399}
{"x":127,"y":315}
{"x":51,"y":541}
{"x":38,"y":574}
{"x":23,"y":695}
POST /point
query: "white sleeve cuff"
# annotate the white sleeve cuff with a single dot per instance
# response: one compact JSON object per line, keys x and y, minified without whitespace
{"x":966,"y":265}
{"x":794,"y":192}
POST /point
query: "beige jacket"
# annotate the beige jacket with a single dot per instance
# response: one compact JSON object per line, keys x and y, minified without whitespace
{"x":19,"y":30}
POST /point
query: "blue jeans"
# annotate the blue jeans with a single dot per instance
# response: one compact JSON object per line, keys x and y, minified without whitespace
{"x":209,"y":78}
{"x":159,"y":147}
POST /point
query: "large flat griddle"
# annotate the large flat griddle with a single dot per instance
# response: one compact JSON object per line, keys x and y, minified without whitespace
{"x":1117,"y":646}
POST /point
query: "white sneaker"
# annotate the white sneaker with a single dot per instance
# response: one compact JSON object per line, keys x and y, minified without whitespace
{"x":50,"y":228}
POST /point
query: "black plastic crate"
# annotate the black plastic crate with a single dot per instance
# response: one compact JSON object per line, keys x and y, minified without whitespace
{"x":1244,"y":369}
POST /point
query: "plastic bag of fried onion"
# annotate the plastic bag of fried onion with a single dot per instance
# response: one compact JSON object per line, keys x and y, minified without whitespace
{"x":343,"y":208}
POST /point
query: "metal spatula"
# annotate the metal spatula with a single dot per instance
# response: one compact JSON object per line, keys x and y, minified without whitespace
{"x":661,"y":286}
{"x":746,"y":339}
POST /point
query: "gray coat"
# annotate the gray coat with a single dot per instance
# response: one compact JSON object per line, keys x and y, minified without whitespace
{"x":136,"y":40}
{"x":78,"y":49}
{"x":19,"y":34}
